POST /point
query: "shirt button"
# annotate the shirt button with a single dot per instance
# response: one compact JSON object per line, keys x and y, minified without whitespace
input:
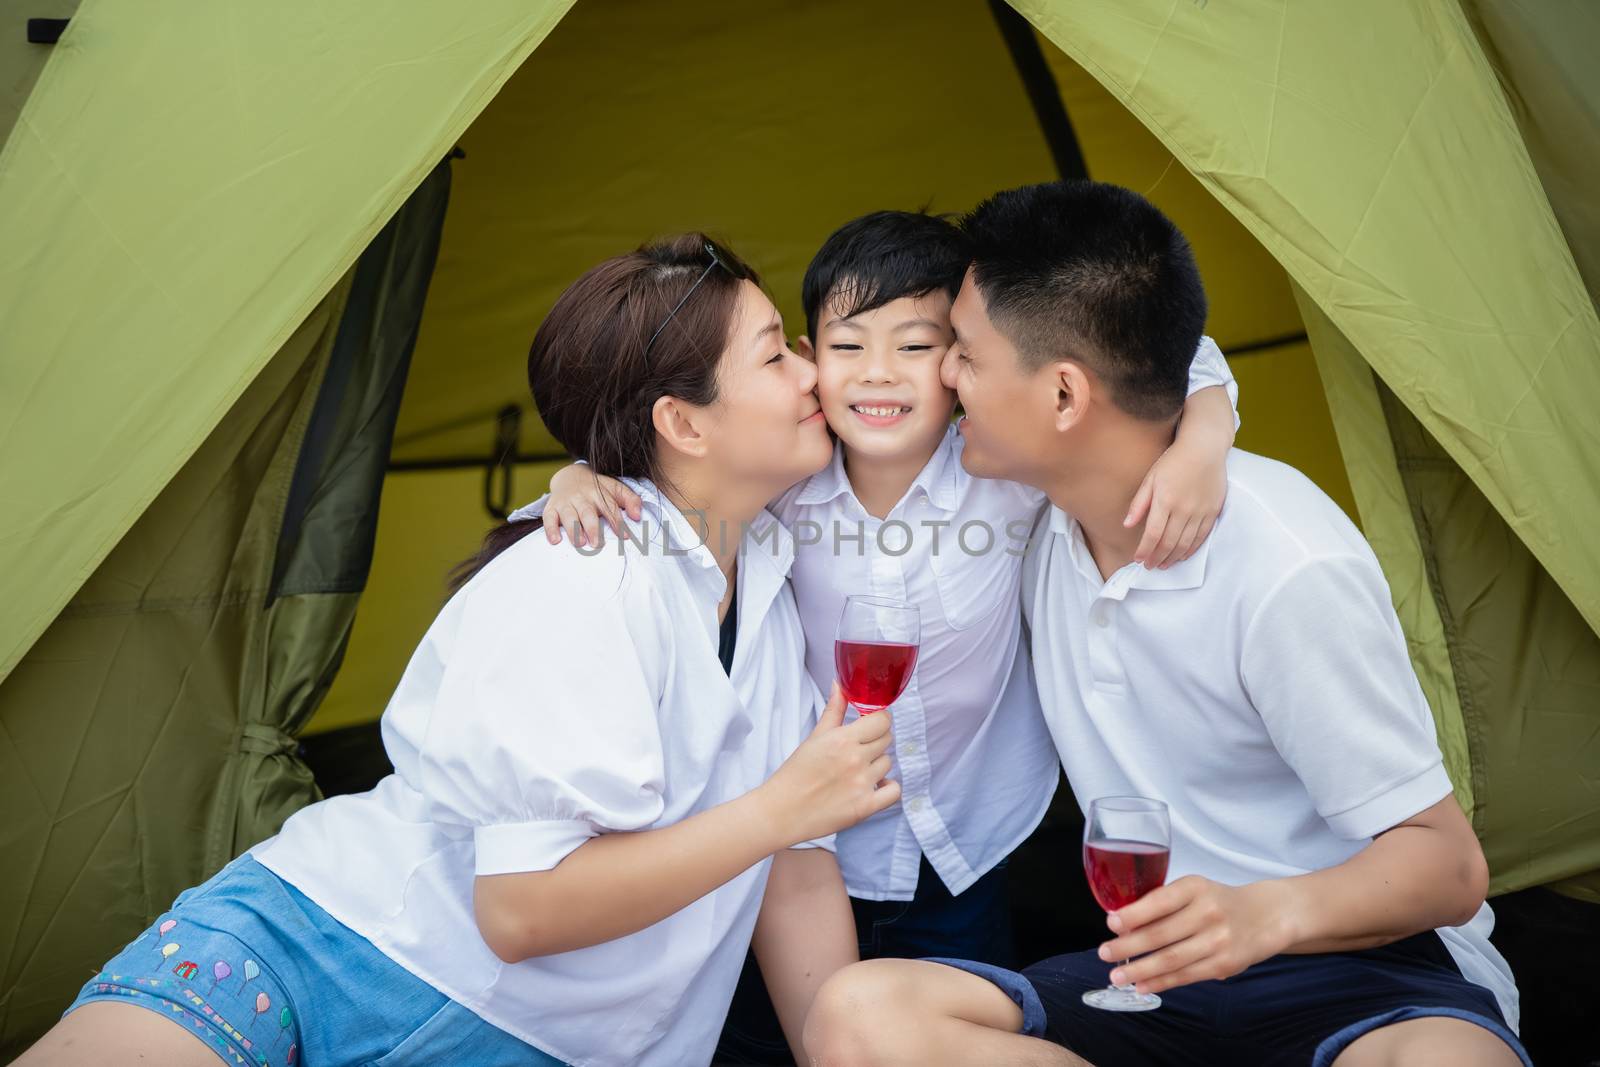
{"x":916,"y":804}
{"x":910,"y":748}
{"x":1102,"y":617}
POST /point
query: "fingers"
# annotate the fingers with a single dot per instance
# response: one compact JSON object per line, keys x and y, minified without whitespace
{"x":589,"y":515}
{"x":1169,"y":541}
{"x":1186,"y":544}
{"x":1141,"y":501}
{"x":1161,"y":967}
{"x":566,"y":521}
{"x":1203,"y":532}
{"x":1155,"y":529}
{"x":886,"y":796}
{"x":1156,"y":904}
{"x":552,"y":526}
{"x":630,"y":501}
{"x":879,"y":768}
{"x":1154,"y":936}
{"x":833,"y":715}
{"x":869,"y":728}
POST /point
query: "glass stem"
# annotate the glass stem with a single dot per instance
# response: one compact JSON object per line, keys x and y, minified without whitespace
{"x":1124,"y":988}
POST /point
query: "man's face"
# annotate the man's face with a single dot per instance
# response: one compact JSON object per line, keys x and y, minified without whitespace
{"x":1009,"y":425}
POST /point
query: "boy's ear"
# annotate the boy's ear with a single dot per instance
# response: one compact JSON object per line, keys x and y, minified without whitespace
{"x":677,"y":423}
{"x":1073,"y":388}
{"x":805,"y":349}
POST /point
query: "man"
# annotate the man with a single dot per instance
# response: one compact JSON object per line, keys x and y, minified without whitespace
{"x":1325,"y":894}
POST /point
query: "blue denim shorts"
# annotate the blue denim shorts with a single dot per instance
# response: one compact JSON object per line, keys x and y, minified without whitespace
{"x":1286,"y":1010}
{"x":265,"y":977}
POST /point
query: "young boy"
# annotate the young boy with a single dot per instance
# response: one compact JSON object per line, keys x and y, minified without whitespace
{"x":896,"y":515}
{"x":1261,"y":689}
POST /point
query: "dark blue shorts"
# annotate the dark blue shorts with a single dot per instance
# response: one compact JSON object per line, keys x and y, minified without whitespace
{"x":1287,"y":1010}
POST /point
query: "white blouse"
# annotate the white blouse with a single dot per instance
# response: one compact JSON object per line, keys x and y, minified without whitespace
{"x":557,"y":696}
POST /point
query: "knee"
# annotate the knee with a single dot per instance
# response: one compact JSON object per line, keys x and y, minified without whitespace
{"x":857,"y":1015}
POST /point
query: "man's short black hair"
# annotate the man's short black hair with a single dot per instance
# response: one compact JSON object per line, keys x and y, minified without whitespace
{"x":1095,"y":273}
{"x":881,"y":257}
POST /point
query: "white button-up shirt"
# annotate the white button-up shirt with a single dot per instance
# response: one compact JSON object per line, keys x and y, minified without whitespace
{"x":973,"y":756}
{"x":1262,"y":688}
{"x":558,"y":696}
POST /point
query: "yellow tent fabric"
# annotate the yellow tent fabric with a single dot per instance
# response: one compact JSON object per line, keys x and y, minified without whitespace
{"x":185,"y":186}
{"x":160,"y":180}
{"x":1340,"y":136}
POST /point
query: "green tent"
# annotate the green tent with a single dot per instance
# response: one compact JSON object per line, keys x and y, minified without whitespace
{"x":261,"y":343}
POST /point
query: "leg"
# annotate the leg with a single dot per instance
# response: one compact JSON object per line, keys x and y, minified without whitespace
{"x":1433,"y":1042}
{"x":108,"y":1032}
{"x":883,"y":1013}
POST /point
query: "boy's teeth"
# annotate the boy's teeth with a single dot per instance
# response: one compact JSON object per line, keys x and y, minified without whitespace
{"x":881,"y":412}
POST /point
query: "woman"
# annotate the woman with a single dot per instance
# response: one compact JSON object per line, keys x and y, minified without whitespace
{"x":568,"y":862}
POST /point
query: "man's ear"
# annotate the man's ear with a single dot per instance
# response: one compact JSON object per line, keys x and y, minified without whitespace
{"x":1073,"y":388}
{"x":805,"y":348}
{"x":679,"y":426}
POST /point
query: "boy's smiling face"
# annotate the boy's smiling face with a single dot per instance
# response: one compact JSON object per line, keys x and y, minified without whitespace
{"x":878,"y":376}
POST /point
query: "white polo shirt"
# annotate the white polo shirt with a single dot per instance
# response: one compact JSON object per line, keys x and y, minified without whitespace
{"x":1261,"y":688}
{"x":559,"y":696}
{"x":971,"y":750}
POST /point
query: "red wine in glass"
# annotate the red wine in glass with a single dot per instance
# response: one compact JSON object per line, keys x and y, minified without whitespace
{"x":1120,"y":872}
{"x":875,"y":650}
{"x":1127,"y":842}
{"x":873,"y":674}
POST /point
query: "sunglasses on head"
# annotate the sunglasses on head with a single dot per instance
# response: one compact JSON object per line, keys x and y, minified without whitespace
{"x":719,"y":258}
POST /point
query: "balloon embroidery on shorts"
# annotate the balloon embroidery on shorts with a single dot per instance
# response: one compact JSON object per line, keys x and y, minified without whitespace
{"x":263,"y":1002}
{"x":219,"y":971}
{"x":284,"y":1021}
{"x":168,"y":949}
{"x":163,"y":930}
{"x":289,"y":1057}
{"x":251,"y":969}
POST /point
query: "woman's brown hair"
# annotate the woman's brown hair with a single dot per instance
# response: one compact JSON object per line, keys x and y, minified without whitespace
{"x":612,"y":346}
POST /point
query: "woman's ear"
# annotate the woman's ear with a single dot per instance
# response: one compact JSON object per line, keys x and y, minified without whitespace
{"x":679,"y":425}
{"x":804,"y":349}
{"x":1073,"y":388}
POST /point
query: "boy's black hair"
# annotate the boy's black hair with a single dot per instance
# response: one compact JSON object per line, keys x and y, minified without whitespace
{"x":881,"y":257}
{"x":1094,"y":273}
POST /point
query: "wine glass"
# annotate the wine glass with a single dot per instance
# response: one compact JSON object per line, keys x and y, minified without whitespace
{"x":875,"y":650}
{"x":1126,"y":844}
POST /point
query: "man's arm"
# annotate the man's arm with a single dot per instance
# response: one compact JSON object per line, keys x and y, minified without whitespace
{"x":1325,"y":666}
{"x":804,"y":934}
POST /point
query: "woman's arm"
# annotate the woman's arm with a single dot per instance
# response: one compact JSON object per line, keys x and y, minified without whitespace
{"x":805,"y":933}
{"x":619,"y":883}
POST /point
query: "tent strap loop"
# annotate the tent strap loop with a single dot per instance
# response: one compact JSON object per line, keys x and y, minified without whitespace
{"x":264,"y":739}
{"x":502,"y":464}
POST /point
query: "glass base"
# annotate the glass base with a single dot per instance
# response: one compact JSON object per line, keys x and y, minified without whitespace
{"x":1121,"y":998}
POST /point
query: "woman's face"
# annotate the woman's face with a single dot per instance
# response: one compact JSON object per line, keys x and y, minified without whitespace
{"x":766,"y":430}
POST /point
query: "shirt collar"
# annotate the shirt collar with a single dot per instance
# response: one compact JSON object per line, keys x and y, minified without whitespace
{"x":1188,"y":574}
{"x":766,"y":553}
{"x":937,"y":478}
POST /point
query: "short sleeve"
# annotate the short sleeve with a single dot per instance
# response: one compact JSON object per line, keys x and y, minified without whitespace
{"x":1326,"y":666}
{"x":1211,"y":368}
{"x":544,"y":729}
